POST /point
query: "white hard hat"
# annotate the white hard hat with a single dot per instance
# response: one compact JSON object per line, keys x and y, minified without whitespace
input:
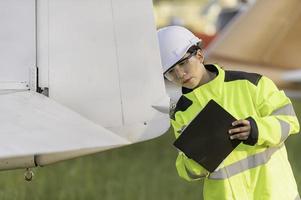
{"x":174,"y":41}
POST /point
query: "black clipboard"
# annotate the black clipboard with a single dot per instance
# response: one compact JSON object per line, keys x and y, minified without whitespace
{"x":206,"y":139}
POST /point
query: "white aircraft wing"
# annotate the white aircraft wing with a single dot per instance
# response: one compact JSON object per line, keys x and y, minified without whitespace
{"x":99,"y":61}
{"x":34,"y":126}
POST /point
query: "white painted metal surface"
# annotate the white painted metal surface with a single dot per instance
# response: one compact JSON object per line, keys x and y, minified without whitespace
{"x":100,"y":61}
{"x":174,"y":92}
{"x":17,"y":40}
{"x":83,"y":73}
{"x":42,"y":28}
{"x":36,"y":125}
{"x":104,"y":63}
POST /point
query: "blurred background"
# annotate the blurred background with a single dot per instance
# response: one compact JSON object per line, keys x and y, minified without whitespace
{"x":205,"y":18}
{"x":147,"y":170}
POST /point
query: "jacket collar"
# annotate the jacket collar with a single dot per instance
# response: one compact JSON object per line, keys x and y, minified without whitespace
{"x":214,"y":86}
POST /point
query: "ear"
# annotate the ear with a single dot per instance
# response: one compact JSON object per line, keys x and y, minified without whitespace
{"x":200,"y":55}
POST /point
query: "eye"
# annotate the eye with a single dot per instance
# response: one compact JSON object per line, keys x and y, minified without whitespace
{"x":182,"y":63}
{"x":171,"y":70}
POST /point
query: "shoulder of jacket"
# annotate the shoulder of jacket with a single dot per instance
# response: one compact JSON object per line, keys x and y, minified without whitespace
{"x":240,"y":75}
{"x":182,"y":105}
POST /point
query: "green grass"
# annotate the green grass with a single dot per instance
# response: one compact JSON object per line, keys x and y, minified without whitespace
{"x":143,"y":171}
{"x":140,"y":171}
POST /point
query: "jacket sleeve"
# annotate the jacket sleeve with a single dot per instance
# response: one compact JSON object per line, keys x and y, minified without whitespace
{"x":187,"y":168}
{"x":275,"y":119}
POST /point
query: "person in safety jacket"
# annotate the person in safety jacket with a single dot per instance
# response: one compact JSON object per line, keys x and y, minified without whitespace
{"x":257,"y":169}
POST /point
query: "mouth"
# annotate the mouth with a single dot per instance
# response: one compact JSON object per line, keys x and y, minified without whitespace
{"x":186,"y":80}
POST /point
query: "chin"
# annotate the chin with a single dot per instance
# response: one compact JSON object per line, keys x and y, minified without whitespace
{"x":190,"y":85}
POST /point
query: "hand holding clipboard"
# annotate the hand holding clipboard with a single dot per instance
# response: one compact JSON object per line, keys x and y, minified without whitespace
{"x":205,"y":139}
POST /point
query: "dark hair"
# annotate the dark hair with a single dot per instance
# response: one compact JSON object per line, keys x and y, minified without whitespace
{"x":195,"y":47}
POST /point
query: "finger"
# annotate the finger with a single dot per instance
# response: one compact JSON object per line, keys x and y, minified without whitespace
{"x":240,"y":136}
{"x":239,"y":130}
{"x":241,"y":122}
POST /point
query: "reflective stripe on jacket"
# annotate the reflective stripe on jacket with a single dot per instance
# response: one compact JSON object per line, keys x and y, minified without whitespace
{"x":258,"y":169}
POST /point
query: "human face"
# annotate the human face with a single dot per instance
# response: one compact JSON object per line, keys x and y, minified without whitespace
{"x":188,"y":72}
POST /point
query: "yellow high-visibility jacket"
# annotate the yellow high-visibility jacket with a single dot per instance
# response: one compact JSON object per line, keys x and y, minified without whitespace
{"x":258,"y":169}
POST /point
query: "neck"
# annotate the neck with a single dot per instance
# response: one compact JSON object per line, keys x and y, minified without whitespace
{"x":208,"y":76}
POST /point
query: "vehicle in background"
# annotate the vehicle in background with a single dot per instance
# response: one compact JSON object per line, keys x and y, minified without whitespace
{"x":263,"y":41}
